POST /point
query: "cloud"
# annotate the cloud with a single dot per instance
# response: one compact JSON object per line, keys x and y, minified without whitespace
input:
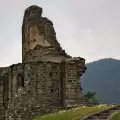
{"x":86,"y":28}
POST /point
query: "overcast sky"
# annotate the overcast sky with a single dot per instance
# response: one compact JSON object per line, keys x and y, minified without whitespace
{"x":85,"y":28}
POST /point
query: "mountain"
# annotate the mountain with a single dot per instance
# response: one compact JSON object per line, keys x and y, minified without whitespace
{"x":103,"y":77}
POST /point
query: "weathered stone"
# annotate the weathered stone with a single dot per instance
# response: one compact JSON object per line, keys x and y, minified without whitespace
{"x":46,"y":80}
{"x":39,"y":37}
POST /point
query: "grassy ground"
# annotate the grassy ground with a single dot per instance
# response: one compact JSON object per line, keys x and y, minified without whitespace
{"x":115,"y":115}
{"x":73,"y":114}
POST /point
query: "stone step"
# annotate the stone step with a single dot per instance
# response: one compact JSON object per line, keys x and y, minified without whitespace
{"x":103,"y":115}
{"x":95,"y":117}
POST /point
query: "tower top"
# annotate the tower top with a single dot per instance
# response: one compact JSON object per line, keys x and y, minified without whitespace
{"x":33,"y":9}
{"x":39,"y":40}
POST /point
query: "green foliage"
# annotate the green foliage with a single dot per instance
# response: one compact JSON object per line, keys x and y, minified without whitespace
{"x":90,"y":97}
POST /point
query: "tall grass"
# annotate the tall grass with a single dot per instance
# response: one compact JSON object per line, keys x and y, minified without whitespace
{"x":115,"y":115}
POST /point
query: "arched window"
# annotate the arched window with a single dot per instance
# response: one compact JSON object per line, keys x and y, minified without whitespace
{"x":20,"y":81}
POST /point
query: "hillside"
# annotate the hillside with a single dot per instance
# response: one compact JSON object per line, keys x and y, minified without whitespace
{"x":73,"y":114}
{"x":103,"y":77}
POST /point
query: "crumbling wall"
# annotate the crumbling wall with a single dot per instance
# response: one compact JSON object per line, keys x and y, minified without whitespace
{"x":74,"y":69}
{"x":35,"y":89}
{"x":3,"y":91}
{"x":38,"y":88}
{"x":38,"y":36}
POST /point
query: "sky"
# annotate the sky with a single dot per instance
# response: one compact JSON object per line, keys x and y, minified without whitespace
{"x":85,"y":28}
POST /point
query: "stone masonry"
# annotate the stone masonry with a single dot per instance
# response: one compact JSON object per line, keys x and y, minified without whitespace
{"x":47,"y":79}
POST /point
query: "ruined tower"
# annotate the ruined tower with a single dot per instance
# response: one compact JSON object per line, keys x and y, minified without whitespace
{"x":47,"y":79}
{"x":39,"y":38}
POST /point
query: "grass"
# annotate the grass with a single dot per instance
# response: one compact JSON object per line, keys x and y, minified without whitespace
{"x":73,"y":114}
{"x":115,"y":115}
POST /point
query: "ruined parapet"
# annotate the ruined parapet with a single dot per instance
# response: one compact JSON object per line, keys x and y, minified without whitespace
{"x":38,"y":37}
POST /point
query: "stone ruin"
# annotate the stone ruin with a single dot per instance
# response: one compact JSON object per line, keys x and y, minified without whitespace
{"x":47,"y":79}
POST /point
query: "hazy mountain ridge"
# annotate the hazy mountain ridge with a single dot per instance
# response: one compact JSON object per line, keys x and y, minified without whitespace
{"x":103,"y":77}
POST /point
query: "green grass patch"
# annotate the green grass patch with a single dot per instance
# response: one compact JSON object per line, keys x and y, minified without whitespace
{"x":115,"y":115}
{"x":73,"y":114}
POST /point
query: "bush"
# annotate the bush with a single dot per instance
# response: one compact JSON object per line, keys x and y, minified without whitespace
{"x":90,"y":97}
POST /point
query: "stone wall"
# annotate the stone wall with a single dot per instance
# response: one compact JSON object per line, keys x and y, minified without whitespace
{"x":3,"y":91}
{"x":40,"y":87}
{"x":36,"y":84}
{"x":74,"y":68}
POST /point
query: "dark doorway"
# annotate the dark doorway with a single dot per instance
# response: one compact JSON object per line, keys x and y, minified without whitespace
{"x":20,"y":81}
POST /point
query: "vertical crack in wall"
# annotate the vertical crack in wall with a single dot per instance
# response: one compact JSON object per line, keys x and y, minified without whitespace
{"x":62,"y":76}
{"x":5,"y":90}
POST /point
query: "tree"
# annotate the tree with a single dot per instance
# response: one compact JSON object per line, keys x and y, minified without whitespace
{"x":90,"y":97}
